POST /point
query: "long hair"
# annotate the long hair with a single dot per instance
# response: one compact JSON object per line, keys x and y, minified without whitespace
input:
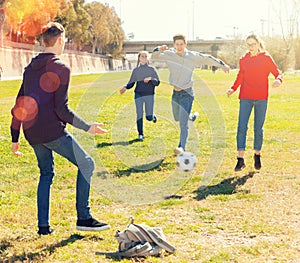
{"x":140,"y":53}
{"x":258,"y":40}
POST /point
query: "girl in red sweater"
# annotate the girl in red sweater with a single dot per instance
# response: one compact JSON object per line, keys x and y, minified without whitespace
{"x":252,"y":78}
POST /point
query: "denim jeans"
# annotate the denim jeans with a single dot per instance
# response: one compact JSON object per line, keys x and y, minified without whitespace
{"x":69,"y":148}
{"x":140,"y":101}
{"x":182,"y":102}
{"x":260,"y":109}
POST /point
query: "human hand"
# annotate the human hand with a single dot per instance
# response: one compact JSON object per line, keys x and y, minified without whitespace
{"x":122,"y":90}
{"x":226,"y":68}
{"x":229,"y":92}
{"x":15,"y":148}
{"x":163,"y":47}
{"x":146,"y":80}
{"x":96,"y":129}
{"x":276,"y":83}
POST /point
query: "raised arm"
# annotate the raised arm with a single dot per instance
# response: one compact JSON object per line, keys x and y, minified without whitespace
{"x":204,"y":59}
{"x":158,"y":52}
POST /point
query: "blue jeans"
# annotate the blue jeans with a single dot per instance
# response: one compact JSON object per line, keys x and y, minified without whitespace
{"x":182,"y":102}
{"x":260,"y":109}
{"x":140,"y":101}
{"x":69,"y":148}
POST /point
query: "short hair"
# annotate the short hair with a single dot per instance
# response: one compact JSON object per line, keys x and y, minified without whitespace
{"x":179,"y":37}
{"x":51,"y":32}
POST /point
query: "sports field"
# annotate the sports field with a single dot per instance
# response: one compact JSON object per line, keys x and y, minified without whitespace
{"x":211,"y":214}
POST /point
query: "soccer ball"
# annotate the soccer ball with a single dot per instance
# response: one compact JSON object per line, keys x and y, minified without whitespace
{"x":186,"y":161}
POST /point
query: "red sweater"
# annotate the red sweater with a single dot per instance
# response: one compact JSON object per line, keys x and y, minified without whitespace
{"x":253,"y":76}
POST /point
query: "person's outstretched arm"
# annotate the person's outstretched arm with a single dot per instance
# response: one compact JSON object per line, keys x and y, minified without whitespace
{"x":158,"y":52}
{"x":204,"y":59}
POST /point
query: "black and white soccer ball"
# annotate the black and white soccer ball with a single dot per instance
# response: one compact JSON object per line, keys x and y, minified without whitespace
{"x":186,"y":161}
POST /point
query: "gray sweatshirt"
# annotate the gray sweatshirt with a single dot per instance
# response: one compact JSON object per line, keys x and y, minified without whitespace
{"x":182,"y":67}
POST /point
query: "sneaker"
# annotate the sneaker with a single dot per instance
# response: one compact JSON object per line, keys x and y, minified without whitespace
{"x":178,"y":150}
{"x":154,"y":119}
{"x":91,"y":225}
{"x":45,"y":230}
{"x":141,"y":138}
{"x":240,"y":164}
{"x":257,"y":162}
{"x":194,"y":116}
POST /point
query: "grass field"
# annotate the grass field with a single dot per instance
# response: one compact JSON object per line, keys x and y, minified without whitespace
{"x":211,"y":214}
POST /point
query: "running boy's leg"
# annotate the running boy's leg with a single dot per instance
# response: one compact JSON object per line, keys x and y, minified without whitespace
{"x":186,"y":103}
{"x":176,"y":104}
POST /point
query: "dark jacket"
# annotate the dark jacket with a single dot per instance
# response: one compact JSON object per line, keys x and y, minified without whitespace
{"x":138,"y":75}
{"x":42,"y":102}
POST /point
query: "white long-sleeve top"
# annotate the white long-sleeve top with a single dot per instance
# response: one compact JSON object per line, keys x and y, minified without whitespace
{"x":182,"y":66}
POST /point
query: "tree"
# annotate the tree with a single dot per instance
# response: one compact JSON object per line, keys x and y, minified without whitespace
{"x":117,"y":35}
{"x":99,"y":26}
{"x":76,"y":21}
{"x":2,"y":20}
{"x":108,"y":35}
{"x":232,"y":52}
{"x":92,"y":25}
{"x":297,"y":52}
{"x":287,"y":15}
{"x":281,"y":51}
{"x":26,"y":17}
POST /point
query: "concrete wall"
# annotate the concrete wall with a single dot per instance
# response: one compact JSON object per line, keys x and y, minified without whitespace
{"x":14,"y":60}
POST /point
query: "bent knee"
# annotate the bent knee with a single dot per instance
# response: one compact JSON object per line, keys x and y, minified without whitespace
{"x":88,"y":167}
{"x":91,"y":163}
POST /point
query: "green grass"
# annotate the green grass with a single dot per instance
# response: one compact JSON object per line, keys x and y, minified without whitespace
{"x":210,"y":215}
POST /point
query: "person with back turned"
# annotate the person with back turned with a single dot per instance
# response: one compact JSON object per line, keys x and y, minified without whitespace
{"x":42,"y":110}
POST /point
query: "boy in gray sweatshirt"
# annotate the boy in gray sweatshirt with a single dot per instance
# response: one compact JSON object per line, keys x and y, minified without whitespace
{"x":181,"y":63}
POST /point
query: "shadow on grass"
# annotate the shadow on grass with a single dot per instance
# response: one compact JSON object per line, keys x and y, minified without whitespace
{"x":107,"y":144}
{"x":156,"y":165}
{"x":111,"y":255}
{"x":34,"y":256}
{"x":226,"y":187}
{"x":115,"y":256}
{"x":168,"y":197}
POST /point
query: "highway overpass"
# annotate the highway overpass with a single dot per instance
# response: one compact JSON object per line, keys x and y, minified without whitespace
{"x":202,"y":46}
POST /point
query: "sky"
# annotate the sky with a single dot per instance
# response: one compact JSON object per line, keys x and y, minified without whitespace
{"x":198,"y":19}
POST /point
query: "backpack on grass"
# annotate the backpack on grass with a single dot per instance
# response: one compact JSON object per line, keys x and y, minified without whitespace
{"x":140,"y":240}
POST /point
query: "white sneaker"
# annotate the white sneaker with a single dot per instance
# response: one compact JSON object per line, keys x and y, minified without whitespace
{"x":194,"y":116}
{"x":141,"y":138}
{"x":178,"y":150}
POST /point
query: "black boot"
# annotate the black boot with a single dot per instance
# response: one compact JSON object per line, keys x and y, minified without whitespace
{"x":240,"y":164}
{"x":45,"y":230}
{"x":257,"y":162}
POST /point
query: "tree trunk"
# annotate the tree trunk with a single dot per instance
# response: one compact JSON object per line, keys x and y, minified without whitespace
{"x":2,"y":20}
